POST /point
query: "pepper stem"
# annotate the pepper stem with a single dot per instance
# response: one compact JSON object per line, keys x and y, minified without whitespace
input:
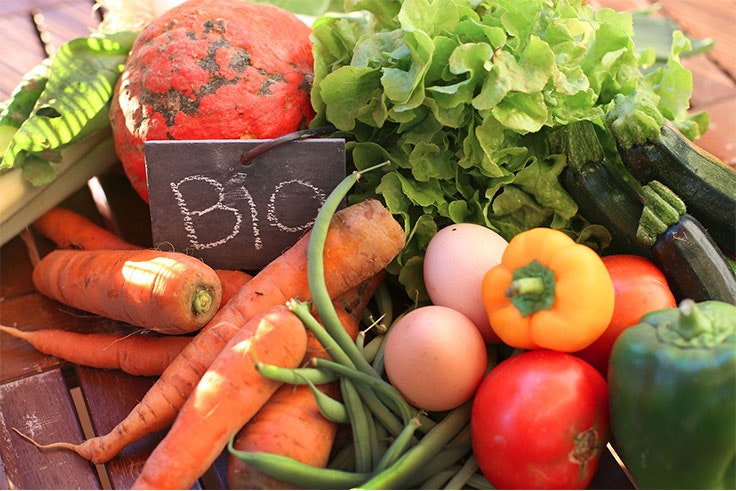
{"x":532,"y":288}
{"x":692,"y":322}
{"x":703,"y":324}
{"x":526,"y":286}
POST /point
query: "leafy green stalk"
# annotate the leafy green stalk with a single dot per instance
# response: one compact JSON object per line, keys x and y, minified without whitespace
{"x":23,"y":202}
{"x":72,"y":105}
{"x":54,"y":130}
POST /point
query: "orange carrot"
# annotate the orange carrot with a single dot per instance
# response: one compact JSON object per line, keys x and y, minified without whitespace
{"x":279,"y":428}
{"x":68,"y":229}
{"x":136,"y":354}
{"x":362,"y":239}
{"x":229,"y":393}
{"x":167,"y":292}
{"x":290,"y":423}
{"x":231,"y":280}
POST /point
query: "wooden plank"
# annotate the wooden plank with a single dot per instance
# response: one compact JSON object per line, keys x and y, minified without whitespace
{"x":23,"y":45}
{"x":21,"y":50}
{"x":710,"y":83}
{"x":20,"y":359}
{"x":4,"y":484}
{"x":720,"y":139}
{"x":708,"y":19}
{"x":110,"y":396}
{"x":24,"y":404}
{"x":64,"y":22}
{"x":19,"y":6}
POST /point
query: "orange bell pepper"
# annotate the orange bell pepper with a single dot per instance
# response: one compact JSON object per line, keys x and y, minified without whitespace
{"x":548,"y":292}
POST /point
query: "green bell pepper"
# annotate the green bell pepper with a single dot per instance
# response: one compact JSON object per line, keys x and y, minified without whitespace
{"x":672,"y":382}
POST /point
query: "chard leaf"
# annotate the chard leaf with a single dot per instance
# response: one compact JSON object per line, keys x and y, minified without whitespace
{"x":72,"y":105}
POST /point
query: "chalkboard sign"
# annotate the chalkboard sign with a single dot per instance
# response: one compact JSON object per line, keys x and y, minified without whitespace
{"x":205,"y":202}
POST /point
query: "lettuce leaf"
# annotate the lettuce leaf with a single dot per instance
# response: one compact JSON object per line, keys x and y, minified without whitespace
{"x":458,"y":95}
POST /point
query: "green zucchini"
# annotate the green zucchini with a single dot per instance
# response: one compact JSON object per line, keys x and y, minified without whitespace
{"x":600,"y":190}
{"x":651,"y":222}
{"x":683,"y":249}
{"x":705,"y":183}
{"x":693,"y":264}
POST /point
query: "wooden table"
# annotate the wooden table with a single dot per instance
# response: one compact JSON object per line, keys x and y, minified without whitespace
{"x":52,"y":400}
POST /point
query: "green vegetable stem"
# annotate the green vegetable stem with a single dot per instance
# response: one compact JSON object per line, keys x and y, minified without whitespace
{"x":54,"y":130}
{"x":672,"y":382}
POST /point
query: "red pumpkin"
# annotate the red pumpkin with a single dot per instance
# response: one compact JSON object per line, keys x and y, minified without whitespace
{"x":212,"y":69}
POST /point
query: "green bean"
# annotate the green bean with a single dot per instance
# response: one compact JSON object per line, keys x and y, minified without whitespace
{"x":396,"y":475}
{"x":383,"y":438}
{"x":385,"y":304}
{"x":479,"y":481}
{"x":371,"y":349}
{"x":460,"y":479}
{"x":438,"y":480}
{"x":343,"y":459}
{"x":378,"y":384}
{"x":315,"y":271}
{"x":452,"y":452}
{"x":360,"y":341}
{"x":359,"y":425}
{"x":441,"y":479}
{"x":378,"y":364}
{"x":398,"y":446}
{"x":447,"y":457}
{"x":332,"y":409}
{"x":299,"y":473}
{"x":374,"y":322}
{"x":296,"y":376}
{"x":382,"y":413}
{"x":304,"y":312}
{"x":377,"y":447}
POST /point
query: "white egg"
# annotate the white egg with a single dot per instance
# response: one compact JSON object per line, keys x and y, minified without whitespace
{"x":435,"y":357}
{"x":456,"y":259}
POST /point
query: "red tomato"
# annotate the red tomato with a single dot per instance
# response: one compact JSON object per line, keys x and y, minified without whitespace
{"x":540,"y":421}
{"x":639,"y":288}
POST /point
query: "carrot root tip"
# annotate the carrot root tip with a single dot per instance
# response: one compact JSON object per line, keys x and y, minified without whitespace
{"x":48,"y":446}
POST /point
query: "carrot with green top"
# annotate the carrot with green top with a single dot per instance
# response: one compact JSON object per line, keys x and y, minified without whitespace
{"x":136,"y":354}
{"x":362,"y":240}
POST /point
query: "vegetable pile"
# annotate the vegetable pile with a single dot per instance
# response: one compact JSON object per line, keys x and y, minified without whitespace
{"x":513,"y":277}
{"x":458,"y":96}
